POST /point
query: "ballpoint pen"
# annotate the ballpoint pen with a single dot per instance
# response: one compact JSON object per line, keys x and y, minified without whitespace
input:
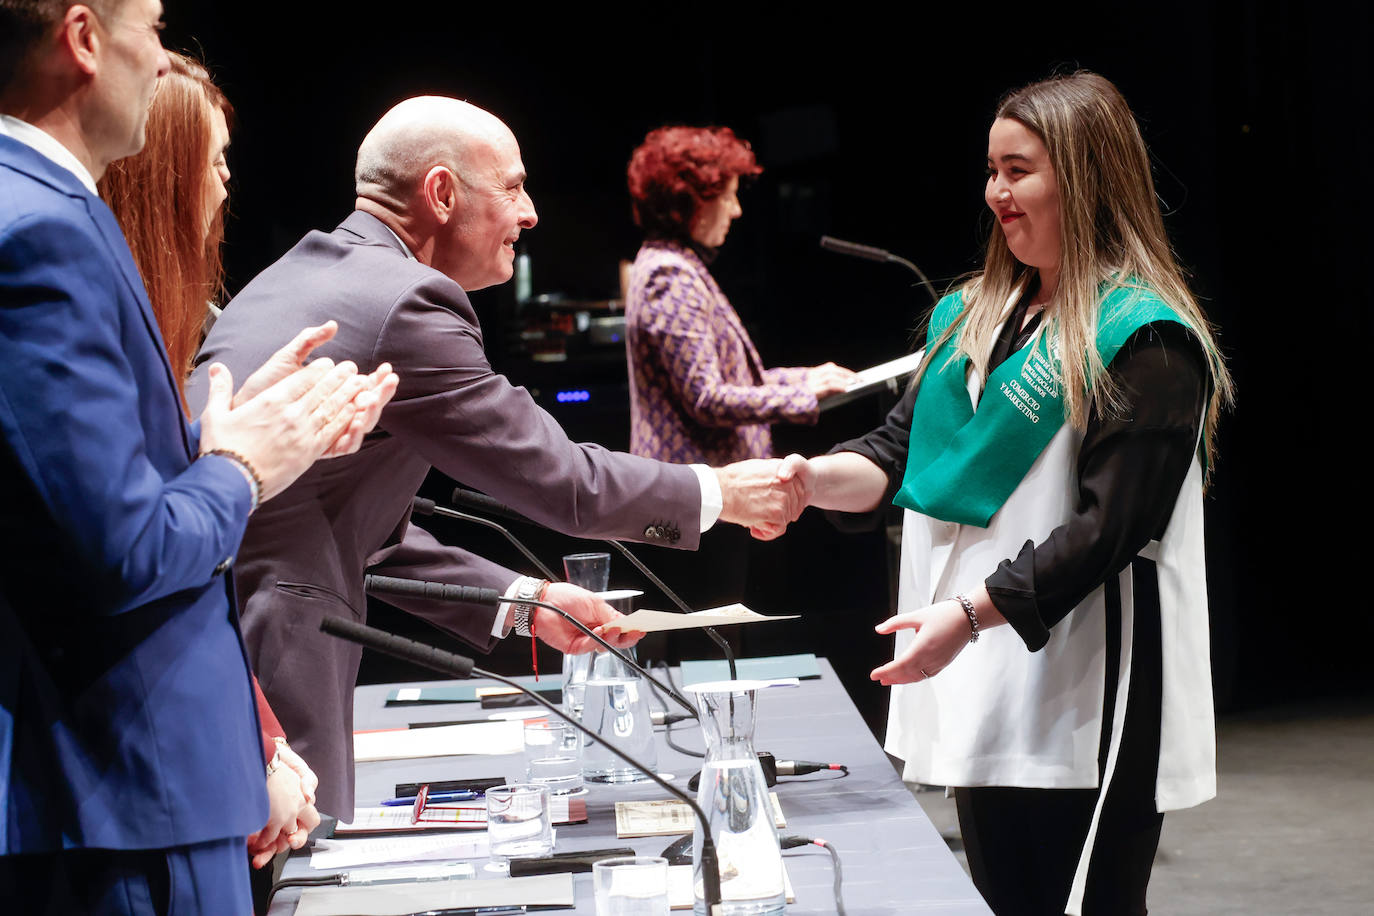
{"x":436,"y":798}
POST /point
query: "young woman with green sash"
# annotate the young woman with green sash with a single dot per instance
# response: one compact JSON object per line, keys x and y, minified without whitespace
{"x":1052,"y":649}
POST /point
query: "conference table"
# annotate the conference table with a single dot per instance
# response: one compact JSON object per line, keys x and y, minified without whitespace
{"x":894,"y":860}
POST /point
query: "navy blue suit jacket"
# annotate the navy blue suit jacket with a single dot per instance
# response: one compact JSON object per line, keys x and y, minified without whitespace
{"x":126,"y":711}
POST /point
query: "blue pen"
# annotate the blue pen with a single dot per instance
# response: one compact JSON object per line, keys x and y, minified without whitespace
{"x":434,"y":799}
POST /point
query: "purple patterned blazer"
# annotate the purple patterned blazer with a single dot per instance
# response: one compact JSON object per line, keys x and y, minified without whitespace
{"x":698,"y":391}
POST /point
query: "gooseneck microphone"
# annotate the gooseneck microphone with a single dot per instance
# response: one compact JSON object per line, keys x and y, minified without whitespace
{"x":869,"y":253}
{"x":461,"y":667}
{"x":480,"y":501}
{"x":439,"y":591}
{"x":430,"y":507}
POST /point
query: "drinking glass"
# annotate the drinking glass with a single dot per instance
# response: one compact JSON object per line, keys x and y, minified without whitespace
{"x":631,"y":886}
{"x":518,"y":824}
{"x":553,"y":757}
{"x":591,"y":571}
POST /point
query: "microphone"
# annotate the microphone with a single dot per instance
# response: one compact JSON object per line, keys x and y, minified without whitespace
{"x":438,"y":591}
{"x":430,"y":507}
{"x":869,"y":253}
{"x":480,"y":501}
{"x":461,"y":667}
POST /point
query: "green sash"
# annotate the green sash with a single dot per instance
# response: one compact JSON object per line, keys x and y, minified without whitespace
{"x":962,"y":465}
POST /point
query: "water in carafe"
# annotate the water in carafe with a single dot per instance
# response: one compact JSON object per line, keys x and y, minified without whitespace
{"x":734,"y":795}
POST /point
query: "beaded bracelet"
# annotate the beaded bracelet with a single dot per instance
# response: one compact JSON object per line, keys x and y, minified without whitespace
{"x":967,"y":605}
{"x":249,"y":473}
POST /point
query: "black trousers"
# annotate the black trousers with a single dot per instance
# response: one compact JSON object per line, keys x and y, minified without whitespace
{"x":1024,"y":845}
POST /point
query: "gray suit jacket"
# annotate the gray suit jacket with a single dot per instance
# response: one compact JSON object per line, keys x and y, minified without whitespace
{"x":305,"y":551}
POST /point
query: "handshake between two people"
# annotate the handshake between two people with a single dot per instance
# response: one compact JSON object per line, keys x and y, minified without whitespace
{"x":766,"y":495}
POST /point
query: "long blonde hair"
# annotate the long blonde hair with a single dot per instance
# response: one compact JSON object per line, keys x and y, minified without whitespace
{"x":1112,"y":235}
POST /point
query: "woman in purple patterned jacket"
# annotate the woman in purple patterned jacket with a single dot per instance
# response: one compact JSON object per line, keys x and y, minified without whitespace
{"x":698,"y":391}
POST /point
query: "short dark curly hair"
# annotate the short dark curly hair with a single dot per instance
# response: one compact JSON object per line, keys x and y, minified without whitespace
{"x":677,"y":169}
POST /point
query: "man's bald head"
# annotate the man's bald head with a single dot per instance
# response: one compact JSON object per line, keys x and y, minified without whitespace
{"x":414,"y":137}
{"x":447,"y":178}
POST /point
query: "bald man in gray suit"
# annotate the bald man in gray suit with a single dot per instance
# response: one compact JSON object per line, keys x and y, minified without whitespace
{"x":440,"y":202}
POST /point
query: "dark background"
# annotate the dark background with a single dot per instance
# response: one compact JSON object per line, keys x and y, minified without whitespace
{"x":1257,"y":116}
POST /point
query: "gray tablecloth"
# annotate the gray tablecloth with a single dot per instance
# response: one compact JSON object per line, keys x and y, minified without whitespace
{"x":893,"y":858}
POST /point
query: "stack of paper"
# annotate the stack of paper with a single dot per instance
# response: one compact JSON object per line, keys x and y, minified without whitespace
{"x":463,"y":815}
{"x":440,"y":741}
{"x":542,"y":891}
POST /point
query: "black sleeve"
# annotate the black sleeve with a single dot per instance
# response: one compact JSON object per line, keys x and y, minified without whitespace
{"x":886,"y":447}
{"x":1131,"y":465}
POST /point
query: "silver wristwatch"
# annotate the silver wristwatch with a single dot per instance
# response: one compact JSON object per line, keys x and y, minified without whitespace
{"x":529,"y":589}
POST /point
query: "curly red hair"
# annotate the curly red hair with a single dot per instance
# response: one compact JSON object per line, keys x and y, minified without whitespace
{"x":677,"y":169}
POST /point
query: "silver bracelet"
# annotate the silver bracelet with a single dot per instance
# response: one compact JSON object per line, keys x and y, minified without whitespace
{"x":967,"y":605}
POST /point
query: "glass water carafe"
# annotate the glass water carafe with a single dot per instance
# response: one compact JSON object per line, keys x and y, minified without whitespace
{"x":734,"y":796}
{"x":615,"y":705}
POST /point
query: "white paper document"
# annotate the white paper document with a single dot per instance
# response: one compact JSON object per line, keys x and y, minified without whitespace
{"x":548,"y":891}
{"x":681,"y":895}
{"x":882,"y":372}
{"x":333,"y":855}
{"x":439,"y":741}
{"x":657,"y":621}
{"x":463,"y":815}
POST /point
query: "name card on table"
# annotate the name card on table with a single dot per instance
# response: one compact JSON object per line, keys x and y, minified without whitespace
{"x":667,"y":817}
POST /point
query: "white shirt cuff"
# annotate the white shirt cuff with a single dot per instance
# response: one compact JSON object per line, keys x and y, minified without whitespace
{"x":498,"y":627}
{"x":712,"y":502}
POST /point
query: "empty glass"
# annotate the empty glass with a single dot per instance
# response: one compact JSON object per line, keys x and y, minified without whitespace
{"x":518,"y":824}
{"x":591,"y":571}
{"x":575,"y":671}
{"x":553,"y":757}
{"x":631,"y":886}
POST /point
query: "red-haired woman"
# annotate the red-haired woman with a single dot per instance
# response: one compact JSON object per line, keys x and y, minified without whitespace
{"x":698,"y":391}
{"x":169,"y":201}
